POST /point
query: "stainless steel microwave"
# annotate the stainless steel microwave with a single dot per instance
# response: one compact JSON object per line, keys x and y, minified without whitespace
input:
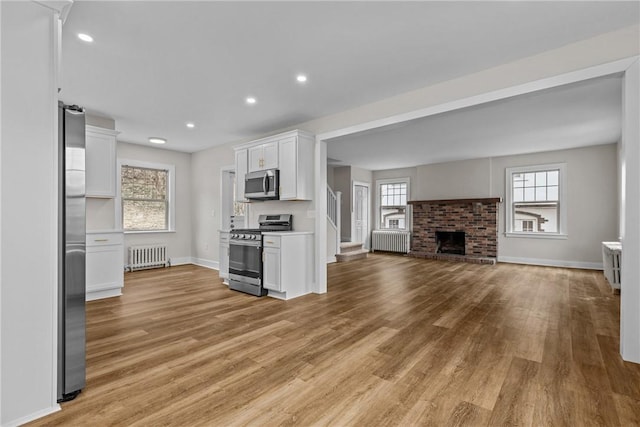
{"x":262,"y":185}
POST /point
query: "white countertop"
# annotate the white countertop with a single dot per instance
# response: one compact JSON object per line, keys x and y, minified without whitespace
{"x":111,"y":230}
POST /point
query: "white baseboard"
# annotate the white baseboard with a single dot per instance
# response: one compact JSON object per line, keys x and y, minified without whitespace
{"x":103,"y":293}
{"x":331,"y":259}
{"x":552,"y":262}
{"x":33,"y":416}
{"x":215,"y":265}
{"x":181,"y":260}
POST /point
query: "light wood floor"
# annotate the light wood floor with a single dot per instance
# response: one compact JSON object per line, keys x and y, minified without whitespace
{"x":396,"y":341}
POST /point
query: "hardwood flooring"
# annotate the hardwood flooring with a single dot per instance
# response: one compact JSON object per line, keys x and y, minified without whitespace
{"x":395,"y":341}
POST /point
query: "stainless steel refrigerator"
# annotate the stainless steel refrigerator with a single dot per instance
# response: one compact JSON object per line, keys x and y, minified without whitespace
{"x":71,"y":252}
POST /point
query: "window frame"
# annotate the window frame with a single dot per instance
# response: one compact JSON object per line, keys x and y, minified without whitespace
{"x":562,"y":232}
{"x":170,"y":194}
{"x":408,"y":210}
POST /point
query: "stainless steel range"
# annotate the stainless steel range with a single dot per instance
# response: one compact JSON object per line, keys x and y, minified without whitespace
{"x":245,"y":253}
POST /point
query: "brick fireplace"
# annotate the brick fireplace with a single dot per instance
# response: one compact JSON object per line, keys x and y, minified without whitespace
{"x":476,"y":218}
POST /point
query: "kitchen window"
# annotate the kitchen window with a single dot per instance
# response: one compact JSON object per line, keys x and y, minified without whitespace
{"x":536,"y":201}
{"x":392,"y":208}
{"x":146,"y":200}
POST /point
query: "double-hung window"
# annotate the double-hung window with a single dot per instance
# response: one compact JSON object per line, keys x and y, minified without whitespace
{"x":536,"y":201}
{"x":392,"y":209}
{"x":146,"y":200}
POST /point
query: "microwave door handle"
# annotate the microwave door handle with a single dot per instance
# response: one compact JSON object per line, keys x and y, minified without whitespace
{"x":265,"y":184}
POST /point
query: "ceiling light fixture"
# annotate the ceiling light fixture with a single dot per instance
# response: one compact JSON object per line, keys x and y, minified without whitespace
{"x":301,"y":78}
{"x":85,"y":37}
{"x":156,"y":140}
{"x":251,"y":100}
{"x":191,"y":125}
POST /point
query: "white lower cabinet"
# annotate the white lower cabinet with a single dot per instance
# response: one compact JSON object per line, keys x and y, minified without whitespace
{"x":104,"y":265}
{"x":223,"y":271}
{"x":288,"y":264}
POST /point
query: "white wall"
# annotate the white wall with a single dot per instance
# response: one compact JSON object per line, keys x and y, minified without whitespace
{"x":592,"y":207}
{"x":178,"y":242}
{"x":205,"y":205}
{"x":592,"y":200}
{"x":29,"y":213}
{"x":630,"y":279}
{"x":453,"y":180}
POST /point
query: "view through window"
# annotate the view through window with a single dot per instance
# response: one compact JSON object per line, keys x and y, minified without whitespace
{"x":535,"y":201}
{"x":144,"y":199}
{"x":393,"y":205}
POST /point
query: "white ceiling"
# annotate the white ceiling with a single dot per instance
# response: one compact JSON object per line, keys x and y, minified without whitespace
{"x":581,"y":114}
{"x":156,"y":65}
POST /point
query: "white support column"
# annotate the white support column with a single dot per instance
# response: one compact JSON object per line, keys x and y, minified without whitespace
{"x":321,"y":214}
{"x":630,"y":205}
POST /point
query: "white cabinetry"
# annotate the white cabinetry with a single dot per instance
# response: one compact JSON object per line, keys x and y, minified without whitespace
{"x":241,"y":171}
{"x":296,"y":168}
{"x":223,"y":271}
{"x":100,"y":162}
{"x":263,"y":156}
{"x":105,"y":267}
{"x":290,"y":152}
{"x":288,"y":264}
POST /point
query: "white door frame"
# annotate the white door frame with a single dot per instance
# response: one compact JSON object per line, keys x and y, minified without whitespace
{"x":368,"y":208}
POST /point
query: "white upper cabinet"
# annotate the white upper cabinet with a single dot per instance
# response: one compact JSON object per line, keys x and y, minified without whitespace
{"x":263,"y":156}
{"x":100,"y":162}
{"x":290,"y":152}
{"x":296,"y":168}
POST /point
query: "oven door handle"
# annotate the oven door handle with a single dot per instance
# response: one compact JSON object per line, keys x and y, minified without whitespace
{"x":257,"y":245}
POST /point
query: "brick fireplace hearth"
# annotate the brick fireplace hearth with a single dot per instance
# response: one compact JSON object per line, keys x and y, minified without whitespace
{"x":477,"y":218}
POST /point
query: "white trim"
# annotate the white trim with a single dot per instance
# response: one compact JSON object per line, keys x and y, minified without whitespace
{"x":534,"y":86}
{"x":562,"y":200}
{"x":214,"y":265}
{"x":408,"y":218}
{"x":104,"y":293}
{"x":551,"y":262}
{"x":331,"y":259}
{"x":225,"y":170}
{"x":557,"y":236}
{"x":33,"y":416}
{"x":180,"y":261}
{"x":320,"y":200}
{"x":170,"y":192}
{"x":147,"y":231}
{"x":55,"y":219}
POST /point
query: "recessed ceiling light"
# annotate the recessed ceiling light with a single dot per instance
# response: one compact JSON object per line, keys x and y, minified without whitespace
{"x":85,"y":37}
{"x":156,"y":140}
{"x":251,"y":100}
{"x":301,"y":78}
{"x":191,"y":125}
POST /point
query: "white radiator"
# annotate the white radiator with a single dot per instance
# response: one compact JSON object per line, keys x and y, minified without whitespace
{"x":611,"y":261}
{"x":147,"y":256}
{"x":390,"y":241}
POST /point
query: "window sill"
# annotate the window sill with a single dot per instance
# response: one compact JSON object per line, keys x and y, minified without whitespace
{"x":556,"y":236}
{"x":149,"y":231}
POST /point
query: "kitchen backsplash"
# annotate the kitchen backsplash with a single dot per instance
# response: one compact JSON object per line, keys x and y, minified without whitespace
{"x":299,"y":209}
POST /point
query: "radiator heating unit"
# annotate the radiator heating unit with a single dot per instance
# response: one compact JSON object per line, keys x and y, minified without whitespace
{"x":390,"y":241}
{"x":147,"y":256}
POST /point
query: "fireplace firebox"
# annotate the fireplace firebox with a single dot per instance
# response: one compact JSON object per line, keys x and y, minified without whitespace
{"x":450,"y":242}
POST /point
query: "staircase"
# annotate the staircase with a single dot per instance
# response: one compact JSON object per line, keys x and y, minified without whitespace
{"x":350,"y":251}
